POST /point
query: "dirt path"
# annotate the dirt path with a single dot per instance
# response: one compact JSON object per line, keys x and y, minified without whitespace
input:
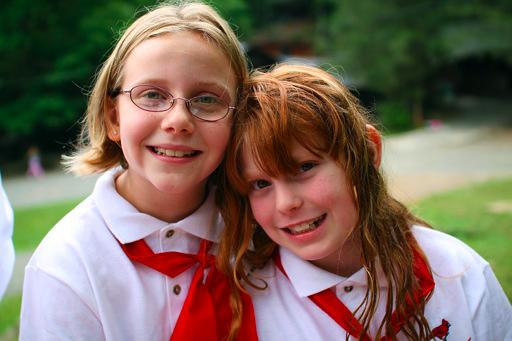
{"x":474,"y":148}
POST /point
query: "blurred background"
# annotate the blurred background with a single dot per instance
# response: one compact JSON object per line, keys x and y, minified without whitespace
{"x":409,"y":60}
{"x":436,"y":75}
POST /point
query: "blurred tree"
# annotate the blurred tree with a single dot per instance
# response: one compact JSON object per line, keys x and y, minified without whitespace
{"x":50,"y":52}
{"x":238,"y":14}
{"x":394,"y":46}
{"x":268,"y":12}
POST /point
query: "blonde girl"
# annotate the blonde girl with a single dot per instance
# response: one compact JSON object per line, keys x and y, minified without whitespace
{"x":324,"y":250}
{"x":134,"y":260}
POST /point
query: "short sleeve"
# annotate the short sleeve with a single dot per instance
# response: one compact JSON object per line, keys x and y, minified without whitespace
{"x":50,"y":308}
{"x":493,"y":314}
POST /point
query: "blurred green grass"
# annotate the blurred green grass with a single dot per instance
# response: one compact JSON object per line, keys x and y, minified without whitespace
{"x":465,"y":213}
{"x":9,"y":313}
{"x":33,"y":223}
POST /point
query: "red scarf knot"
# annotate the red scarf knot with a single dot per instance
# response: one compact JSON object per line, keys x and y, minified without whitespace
{"x":206,"y":260}
{"x":206,"y":313}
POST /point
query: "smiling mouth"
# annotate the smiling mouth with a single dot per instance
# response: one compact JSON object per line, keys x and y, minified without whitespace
{"x":174,"y":153}
{"x":306,"y":226}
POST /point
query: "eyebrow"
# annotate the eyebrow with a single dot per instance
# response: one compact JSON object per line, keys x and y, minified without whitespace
{"x":221,"y":87}
{"x":162,"y":83}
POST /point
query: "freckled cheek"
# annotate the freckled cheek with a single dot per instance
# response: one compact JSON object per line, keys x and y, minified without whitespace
{"x":262,"y":211}
{"x":323,"y":191}
{"x":331,"y":193}
{"x":263,"y":214}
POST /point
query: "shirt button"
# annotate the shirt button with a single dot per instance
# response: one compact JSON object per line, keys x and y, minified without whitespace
{"x":176,"y":290}
{"x":348,"y":288}
{"x":169,"y":233}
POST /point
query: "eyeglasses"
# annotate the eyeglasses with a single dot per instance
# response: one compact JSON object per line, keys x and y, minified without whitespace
{"x":155,"y":99}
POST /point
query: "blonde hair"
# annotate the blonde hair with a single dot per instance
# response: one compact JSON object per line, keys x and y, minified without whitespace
{"x":306,"y":104}
{"x":95,"y":152}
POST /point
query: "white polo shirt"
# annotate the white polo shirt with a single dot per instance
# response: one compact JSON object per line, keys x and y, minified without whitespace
{"x":80,"y":285}
{"x":467,"y":295}
{"x":6,"y":246}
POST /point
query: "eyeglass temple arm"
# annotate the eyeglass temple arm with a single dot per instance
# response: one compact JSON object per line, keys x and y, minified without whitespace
{"x":116,"y":92}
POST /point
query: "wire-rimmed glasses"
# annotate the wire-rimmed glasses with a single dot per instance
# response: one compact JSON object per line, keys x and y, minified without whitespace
{"x":155,"y":99}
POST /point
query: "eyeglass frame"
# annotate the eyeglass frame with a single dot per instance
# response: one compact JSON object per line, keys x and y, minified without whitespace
{"x":117,"y":92}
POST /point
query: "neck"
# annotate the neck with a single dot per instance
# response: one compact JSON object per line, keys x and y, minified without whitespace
{"x":345,"y":262}
{"x":168,"y":207}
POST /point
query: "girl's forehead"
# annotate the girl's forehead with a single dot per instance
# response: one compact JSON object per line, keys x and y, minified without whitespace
{"x":249,"y":163}
{"x":272,"y":162}
{"x":185,"y":56}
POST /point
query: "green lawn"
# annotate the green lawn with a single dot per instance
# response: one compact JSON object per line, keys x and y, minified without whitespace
{"x":32,"y":224}
{"x":9,"y":313}
{"x":468,"y":214}
{"x":480,"y":216}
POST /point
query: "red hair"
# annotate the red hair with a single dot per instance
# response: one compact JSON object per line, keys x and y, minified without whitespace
{"x":306,"y":104}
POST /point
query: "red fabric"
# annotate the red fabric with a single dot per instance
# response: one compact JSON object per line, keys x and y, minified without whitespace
{"x":329,"y":303}
{"x":442,"y":330}
{"x":206,"y":313}
{"x":426,"y":283}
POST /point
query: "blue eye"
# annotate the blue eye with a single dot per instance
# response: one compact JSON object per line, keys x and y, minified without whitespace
{"x":153,"y":95}
{"x":260,"y":184}
{"x":204,"y":100}
{"x":307,"y":166}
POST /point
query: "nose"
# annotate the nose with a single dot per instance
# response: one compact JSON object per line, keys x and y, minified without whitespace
{"x":178,"y":119}
{"x":288,"y":198}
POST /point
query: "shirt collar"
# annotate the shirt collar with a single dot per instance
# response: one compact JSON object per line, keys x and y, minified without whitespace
{"x":308,"y":279}
{"x":127,"y":224}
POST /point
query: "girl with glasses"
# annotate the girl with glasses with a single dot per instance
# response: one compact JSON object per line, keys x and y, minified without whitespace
{"x":134,"y":261}
{"x":324,"y":250}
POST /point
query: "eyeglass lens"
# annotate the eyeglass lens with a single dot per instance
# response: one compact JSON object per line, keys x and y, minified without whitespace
{"x":152,"y":98}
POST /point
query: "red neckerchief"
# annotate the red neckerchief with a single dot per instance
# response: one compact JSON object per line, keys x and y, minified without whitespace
{"x":206,"y":313}
{"x":329,"y":303}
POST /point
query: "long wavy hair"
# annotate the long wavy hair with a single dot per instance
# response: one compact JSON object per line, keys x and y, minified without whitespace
{"x":95,"y":152}
{"x":306,"y":104}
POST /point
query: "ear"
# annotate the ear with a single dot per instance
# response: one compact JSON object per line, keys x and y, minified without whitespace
{"x":375,"y":144}
{"x":112,"y":120}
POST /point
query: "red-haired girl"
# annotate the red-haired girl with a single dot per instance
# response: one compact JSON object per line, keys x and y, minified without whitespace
{"x":310,"y":222}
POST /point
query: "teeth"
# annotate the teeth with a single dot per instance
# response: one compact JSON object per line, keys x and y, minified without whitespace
{"x":306,"y":226}
{"x":175,"y":153}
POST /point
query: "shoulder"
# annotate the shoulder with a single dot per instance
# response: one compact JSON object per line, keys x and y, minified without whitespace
{"x":467,"y":293}
{"x":77,"y":240}
{"x":81,"y":228}
{"x":69,"y":236}
{"x":447,"y":255}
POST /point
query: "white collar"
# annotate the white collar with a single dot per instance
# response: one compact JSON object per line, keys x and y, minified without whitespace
{"x":127,"y":224}
{"x":308,"y":279}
